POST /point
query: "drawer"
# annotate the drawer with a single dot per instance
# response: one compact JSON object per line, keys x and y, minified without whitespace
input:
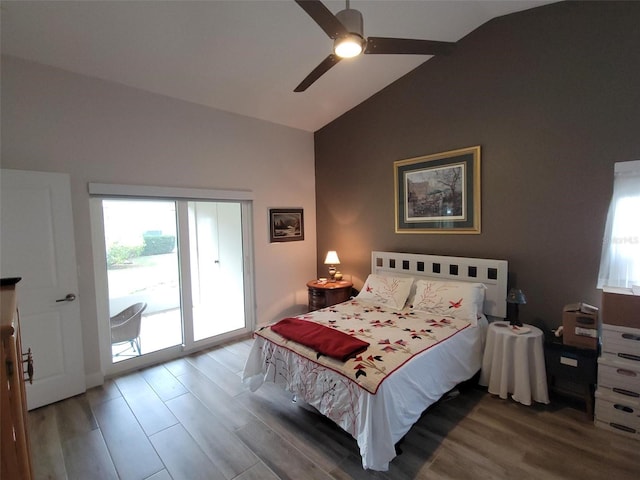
{"x":618,"y":428}
{"x":619,"y":376}
{"x":566,"y":363}
{"x":316,"y":293}
{"x":611,"y":397}
{"x":616,"y":410}
{"x":621,"y":342}
{"x":316,"y":302}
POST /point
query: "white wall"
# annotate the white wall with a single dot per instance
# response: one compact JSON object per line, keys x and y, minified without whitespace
{"x":98,"y":131}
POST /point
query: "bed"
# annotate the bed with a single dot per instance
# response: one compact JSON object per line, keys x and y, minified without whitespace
{"x":423,"y":322}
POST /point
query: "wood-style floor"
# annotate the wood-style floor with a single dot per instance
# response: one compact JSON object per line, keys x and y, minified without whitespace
{"x":193,"y":419}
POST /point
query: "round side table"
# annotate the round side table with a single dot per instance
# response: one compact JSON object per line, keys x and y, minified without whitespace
{"x":514,"y":363}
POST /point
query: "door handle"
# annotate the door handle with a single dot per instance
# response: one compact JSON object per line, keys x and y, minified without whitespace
{"x":69,"y":298}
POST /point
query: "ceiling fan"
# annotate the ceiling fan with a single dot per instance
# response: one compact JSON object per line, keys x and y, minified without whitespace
{"x":346,"y":29}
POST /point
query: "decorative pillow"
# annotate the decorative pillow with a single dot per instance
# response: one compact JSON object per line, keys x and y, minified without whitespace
{"x":456,"y":299}
{"x":389,"y":291}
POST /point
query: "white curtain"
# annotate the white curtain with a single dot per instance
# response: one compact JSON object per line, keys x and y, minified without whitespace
{"x":620,"y":260}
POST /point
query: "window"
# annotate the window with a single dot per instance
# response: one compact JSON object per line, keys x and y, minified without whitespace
{"x":620,"y":260}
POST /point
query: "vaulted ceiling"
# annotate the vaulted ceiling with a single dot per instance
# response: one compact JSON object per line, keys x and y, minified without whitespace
{"x":241,"y":56}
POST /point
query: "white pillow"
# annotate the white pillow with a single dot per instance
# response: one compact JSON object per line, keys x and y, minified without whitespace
{"x":456,"y":299}
{"x":389,"y":291}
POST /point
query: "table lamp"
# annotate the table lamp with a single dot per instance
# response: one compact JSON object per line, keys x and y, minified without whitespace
{"x":332,"y":260}
{"x":517,"y":298}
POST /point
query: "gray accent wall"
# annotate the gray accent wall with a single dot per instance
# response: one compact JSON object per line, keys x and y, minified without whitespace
{"x":552,"y":96}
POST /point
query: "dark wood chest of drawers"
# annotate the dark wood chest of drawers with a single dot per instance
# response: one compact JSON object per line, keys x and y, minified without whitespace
{"x":323,"y":295}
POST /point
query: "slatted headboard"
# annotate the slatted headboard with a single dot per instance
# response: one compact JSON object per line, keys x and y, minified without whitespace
{"x":493,"y":273}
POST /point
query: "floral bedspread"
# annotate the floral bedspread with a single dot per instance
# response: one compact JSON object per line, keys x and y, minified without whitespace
{"x":344,"y":391}
{"x":394,"y":337}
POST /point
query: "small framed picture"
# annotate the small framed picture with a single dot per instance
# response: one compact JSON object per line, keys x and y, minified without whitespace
{"x":286,"y":224}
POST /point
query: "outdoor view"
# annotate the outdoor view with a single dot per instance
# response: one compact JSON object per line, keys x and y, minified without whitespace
{"x":142,"y":267}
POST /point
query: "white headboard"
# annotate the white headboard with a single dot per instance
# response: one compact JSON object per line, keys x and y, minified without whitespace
{"x":493,"y":273}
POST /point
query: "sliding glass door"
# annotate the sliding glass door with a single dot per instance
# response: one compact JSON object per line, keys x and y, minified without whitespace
{"x":143,"y":276}
{"x":175,"y":274}
{"x":217,"y":279}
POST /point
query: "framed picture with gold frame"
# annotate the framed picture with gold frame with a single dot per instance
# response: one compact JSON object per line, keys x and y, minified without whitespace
{"x":438,"y":193}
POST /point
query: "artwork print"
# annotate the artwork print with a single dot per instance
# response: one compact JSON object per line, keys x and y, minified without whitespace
{"x":438,"y":193}
{"x":435,"y":194}
{"x":286,"y":224}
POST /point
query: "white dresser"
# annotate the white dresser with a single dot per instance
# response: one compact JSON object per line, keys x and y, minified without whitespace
{"x":618,"y":394}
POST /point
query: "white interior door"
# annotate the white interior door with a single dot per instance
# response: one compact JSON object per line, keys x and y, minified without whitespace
{"x":37,"y":244}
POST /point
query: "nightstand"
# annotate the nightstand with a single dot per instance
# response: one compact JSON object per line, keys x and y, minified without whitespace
{"x":572,"y":371}
{"x":514,"y":363}
{"x":323,"y":295}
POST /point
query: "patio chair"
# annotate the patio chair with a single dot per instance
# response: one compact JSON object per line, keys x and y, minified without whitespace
{"x":125,"y":326}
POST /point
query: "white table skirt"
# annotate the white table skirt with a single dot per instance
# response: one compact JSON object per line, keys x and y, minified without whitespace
{"x":514,"y":364}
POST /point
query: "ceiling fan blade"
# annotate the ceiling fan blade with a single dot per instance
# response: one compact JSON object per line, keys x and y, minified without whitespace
{"x":407,"y":46}
{"x":317,"y":72}
{"x":323,"y":17}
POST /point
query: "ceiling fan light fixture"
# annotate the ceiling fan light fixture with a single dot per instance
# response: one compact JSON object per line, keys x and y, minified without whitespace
{"x":348,"y":46}
{"x":346,"y":29}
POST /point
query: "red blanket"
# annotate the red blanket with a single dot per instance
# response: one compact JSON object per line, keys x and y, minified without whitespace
{"x":325,"y":340}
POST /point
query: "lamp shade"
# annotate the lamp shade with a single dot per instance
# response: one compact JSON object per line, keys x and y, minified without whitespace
{"x":332,"y":258}
{"x":516,"y":296}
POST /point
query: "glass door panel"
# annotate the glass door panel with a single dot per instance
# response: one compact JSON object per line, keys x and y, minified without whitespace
{"x":142,"y":273}
{"x":217,"y":268}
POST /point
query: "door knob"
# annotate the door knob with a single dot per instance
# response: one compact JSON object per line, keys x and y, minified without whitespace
{"x":69,"y":298}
